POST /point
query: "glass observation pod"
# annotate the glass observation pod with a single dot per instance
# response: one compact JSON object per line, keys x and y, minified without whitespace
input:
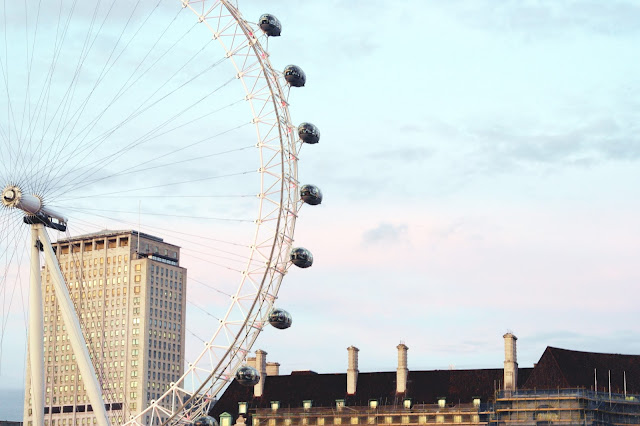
{"x":280,"y":319}
{"x":295,"y":76}
{"x":309,"y":133}
{"x":301,"y":257}
{"x":247,"y":376}
{"x":270,"y":25}
{"x":205,"y":421}
{"x":311,"y":194}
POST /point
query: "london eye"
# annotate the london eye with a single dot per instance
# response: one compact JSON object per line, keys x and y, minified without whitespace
{"x":167,"y":119}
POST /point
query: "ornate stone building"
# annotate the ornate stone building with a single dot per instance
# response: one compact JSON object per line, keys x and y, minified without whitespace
{"x":565,"y":388}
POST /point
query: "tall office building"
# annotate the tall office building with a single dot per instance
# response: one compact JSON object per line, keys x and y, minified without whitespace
{"x":130,"y":293}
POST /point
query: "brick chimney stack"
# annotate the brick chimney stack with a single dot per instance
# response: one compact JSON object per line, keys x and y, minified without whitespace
{"x":261,"y":366}
{"x":510,"y":362}
{"x":352,"y":370}
{"x":273,"y":369}
{"x":403,"y":370}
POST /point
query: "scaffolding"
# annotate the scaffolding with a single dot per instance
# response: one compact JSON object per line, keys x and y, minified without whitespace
{"x":564,"y":407}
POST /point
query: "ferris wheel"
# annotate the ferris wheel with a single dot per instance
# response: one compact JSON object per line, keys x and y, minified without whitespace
{"x":166,"y":118}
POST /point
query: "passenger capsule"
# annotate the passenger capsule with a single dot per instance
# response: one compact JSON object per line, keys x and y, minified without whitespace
{"x":294,"y":75}
{"x":311,"y":194}
{"x":205,"y":421}
{"x":279,"y":318}
{"x":247,"y":376}
{"x":270,"y":25}
{"x":301,"y":257}
{"x":308,"y":133}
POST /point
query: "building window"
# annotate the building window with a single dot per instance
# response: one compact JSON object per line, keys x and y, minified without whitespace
{"x":373,"y":403}
{"x":275,"y":405}
{"x":476,"y":402}
{"x":242,"y":408}
{"x":406,"y":403}
{"x":307,"y":404}
{"x":354,"y":420}
{"x":225,"y":419}
{"x":442,"y":402}
{"x":439,"y":418}
{"x":339,"y":403}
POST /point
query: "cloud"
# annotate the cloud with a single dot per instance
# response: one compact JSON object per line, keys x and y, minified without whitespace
{"x":507,"y":148}
{"x":385,"y":233}
{"x":405,"y":154}
{"x":553,"y":18}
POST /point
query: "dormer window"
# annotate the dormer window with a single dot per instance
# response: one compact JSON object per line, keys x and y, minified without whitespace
{"x":275,"y":405}
{"x":339,"y":404}
{"x":442,"y":402}
{"x":242,"y":408}
{"x":476,"y":402}
{"x":406,"y":403}
{"x":373,"y":403}
{"x":225,"y":419}
{"x":307,"y":404}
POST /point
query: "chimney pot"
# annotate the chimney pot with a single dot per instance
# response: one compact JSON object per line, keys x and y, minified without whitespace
{"x":261,"y":366}
{"x":352,"y":370}
{"x":510,"y":362}
{"x":403,"y":371}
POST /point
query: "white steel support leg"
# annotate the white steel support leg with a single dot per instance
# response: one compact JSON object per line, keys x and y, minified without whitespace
{"x":78,"y":344}
{"x":36,"y":335}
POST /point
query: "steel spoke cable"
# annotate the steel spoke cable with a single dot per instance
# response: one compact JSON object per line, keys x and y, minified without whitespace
{"x":68,"y":97}
{"x":173,"y":183}
{"x":71,"y":186}
{"x":131,"y":169}
{"x":4,"y":67}
{"x":144,"y":140}
{"x":121,"y":90}
{"x":166,"y":231}
{"x":202,"y":309}
{"x":106,"y":371}
{"x":106,"y":70}
{"x":136,"y":113}
{"x":18,"y":236}
{"x":29,"y":132}
{"x":194,"y":257}
{"x":29,"y":62}
{"x":224,"y":219}
{"x":210,"y":287}
{"x":47,"y":86}
{"x":78,"y":272}
{"x":44,"y":97}
{"x":152,"y":196}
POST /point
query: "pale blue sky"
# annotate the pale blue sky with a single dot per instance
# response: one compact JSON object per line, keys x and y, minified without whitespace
{"x":479,"y":162}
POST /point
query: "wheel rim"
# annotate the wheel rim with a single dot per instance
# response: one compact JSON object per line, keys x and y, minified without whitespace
{"x":277,"y":206}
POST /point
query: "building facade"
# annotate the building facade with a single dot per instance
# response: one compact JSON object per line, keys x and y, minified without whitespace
{"x":565,"y":387}
{"x":129,"y":292}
